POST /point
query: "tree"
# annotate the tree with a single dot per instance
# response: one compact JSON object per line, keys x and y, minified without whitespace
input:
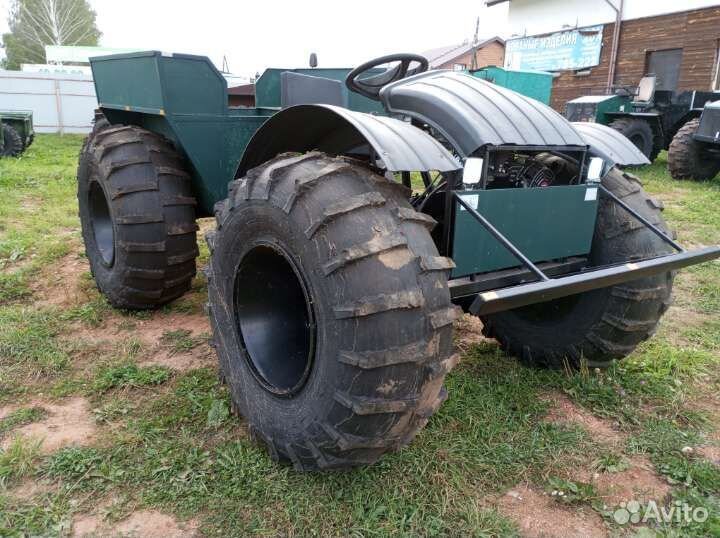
{"x":36,"y":23}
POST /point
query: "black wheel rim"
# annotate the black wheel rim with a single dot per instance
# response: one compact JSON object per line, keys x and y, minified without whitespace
{"x":274,"y":319}
{"x":101,"y":223}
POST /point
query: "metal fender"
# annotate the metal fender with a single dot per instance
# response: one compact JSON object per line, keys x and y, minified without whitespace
{"x":397,"y":144}
{"x":470,"y":112}
{"x":609,"y":144}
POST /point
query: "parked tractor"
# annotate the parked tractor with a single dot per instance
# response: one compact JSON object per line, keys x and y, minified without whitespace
{"x":16,"y":132}
{"x":648,"y":117}
{"x":695,"y":149}
{"x":334,"y":279}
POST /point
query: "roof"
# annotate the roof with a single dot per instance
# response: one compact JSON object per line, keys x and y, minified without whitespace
{"x":245,"y":89}
{"x":442,"y":55}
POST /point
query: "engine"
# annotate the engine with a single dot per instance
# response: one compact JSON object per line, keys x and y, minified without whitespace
{"x":515,"y":170}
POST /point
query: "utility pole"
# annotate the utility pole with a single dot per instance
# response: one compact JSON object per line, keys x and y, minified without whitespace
{"x":473,"y":61}
{"x":616,"y":42}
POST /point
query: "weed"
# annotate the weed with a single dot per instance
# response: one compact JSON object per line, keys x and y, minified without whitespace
{"x":571,"y":492}
{"x":129,"y":375}
{"x":18,"y":459}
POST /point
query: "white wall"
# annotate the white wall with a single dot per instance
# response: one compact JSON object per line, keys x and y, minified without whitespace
{"x":533,"y":17}
{"x":60,"y":103}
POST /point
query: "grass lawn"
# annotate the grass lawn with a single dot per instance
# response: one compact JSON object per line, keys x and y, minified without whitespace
{"x":114,"y":420}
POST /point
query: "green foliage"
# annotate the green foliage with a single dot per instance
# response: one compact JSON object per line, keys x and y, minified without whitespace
{"x":72,"y":462}
{"x":571,"y":492}
{"x":611,"y":463}
{"x":130,"y":375}
{"x":29,"y":342}
{"x":18,"y":458}
{"x":36,"y":23}
{"x":46,"y":516}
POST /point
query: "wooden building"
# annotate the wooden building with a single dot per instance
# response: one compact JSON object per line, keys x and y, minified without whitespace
{"x":468,"y":55}
{"x":681,"y":46}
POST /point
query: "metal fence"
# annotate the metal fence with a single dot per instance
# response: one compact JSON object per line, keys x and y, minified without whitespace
{"x":61,"y":103}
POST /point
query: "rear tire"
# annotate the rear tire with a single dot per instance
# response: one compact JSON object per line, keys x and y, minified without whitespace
{"x":330,"y":310}
{"x":605,"y":324}
{"x":138,"y":216}
{"x":688,"y":159}
{"x":12,"y":142}
{"x":640,"y":133}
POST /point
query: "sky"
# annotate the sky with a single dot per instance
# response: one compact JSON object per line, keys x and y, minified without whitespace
{"x":255,"y":35}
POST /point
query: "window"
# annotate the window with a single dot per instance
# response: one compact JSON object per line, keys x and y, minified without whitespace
{"x":459,"y":67}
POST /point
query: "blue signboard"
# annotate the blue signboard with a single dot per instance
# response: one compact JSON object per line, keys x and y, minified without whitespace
{"x":573,"y":49}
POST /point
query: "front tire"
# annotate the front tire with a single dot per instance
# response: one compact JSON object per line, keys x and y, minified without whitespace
{"x":688,"y":159}
{"x":602,"y":325}
{"x":138,"y":216}
{"x":641,"y":134}
{"x":330,"y":310}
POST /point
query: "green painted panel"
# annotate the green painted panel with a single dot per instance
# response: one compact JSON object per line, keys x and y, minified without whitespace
{"x":535,"y":84}
{"x":544,"y":223}
{"x":131,"y":80}
{"x":184,"y":98}
{"x":267,"y":88}
{"x":20,"y":120}
{"x":595,"y":108}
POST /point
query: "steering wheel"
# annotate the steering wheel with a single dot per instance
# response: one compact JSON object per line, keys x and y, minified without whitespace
{"x":370,"y":87}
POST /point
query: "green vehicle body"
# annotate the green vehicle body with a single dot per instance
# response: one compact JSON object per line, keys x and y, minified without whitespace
{"x":184,"y":98}
{"x":268,"y":94}
{"x":535,"y":84}
{"x":665,"y":111}
{"x":22,"y":122}
{"x":597,"y":108}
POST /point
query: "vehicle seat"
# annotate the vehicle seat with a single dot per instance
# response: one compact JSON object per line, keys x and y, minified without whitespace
{"x":646,"y":89}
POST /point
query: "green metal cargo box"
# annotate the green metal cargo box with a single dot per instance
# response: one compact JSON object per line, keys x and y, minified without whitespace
{"x":535,"y":84}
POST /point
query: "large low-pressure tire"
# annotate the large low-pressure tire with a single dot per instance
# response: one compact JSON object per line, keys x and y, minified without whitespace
{"x":12,"y":142}
{"x":330,"y":310}
{"x":640,"y":133}
{"x":688,"y":158}
{"x":138,"y":216}
{"x":600,"y":325}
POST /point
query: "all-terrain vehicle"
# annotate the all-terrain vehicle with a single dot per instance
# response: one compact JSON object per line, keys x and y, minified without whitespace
{"x":347,"y":243}
{"x":16,"y":132}
{"x":648,"y":117}
{"x":695,"y":149}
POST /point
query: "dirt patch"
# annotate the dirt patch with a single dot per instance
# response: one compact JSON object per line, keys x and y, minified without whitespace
{"x":638,"y":482}
{"x":144,"y":523}
{"x":563,"y":410}
{"x":28,"y":489}
{"x":59,"y":284}
{"x":200,"y":357}
{"x":710,"y":453}
{"x":7,"y":409}
{"x":151,"y":332}
{"x":67,"y":423}
{"x":539,"y":516}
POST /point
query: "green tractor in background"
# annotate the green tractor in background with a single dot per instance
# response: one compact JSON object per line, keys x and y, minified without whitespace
{"x":16,"y":132}
{"x":647,"y":116}
{"x":695,"y":150}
